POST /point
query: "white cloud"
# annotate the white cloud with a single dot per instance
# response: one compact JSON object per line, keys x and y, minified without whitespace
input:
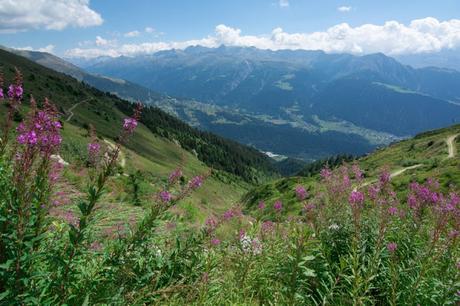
{"x":132,"y":34}
{"x":149,"y":30}
{"x":102,"y":42}
{"x":344,"y":9}
{"x":392,"y":38}
{"x":283,"y":3}
{"x":48,"y":49}
{"x":25,"y":15}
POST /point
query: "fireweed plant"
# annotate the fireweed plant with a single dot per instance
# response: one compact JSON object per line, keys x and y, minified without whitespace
{"x":43,"y":261}
{"x":351,"y":243}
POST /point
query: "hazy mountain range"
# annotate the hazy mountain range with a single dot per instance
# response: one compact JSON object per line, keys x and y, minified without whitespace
{"x":305,"y":104}
{"x":312,"y":98}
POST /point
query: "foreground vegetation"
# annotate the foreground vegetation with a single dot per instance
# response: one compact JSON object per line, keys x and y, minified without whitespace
{"x":352,"y":240}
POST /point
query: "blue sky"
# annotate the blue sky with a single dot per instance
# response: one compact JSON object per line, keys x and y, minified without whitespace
{"x":101,"y":27}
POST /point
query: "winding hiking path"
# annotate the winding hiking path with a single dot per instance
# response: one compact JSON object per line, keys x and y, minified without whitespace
{"x":70,"y":110}
{"x":452,"y":153}
{"x":451,"y":145}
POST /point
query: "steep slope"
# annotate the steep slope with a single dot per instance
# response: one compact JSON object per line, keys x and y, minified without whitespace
{"x":123,"y":89}
{"x":158,"y":147}
{"x":429,"y":155}
{"x":382,"y":107}
{"x":104,"y":110}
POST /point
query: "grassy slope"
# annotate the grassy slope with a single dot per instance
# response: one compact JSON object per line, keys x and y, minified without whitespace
{"x":429,"y":150}
{"x":153,"y":155}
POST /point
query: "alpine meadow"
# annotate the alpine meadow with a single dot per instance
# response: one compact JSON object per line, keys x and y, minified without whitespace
{"x":301,"y":153}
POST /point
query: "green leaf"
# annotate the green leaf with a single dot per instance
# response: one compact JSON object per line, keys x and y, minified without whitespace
{"x":309,"y":273}
{"x":5,"y":294}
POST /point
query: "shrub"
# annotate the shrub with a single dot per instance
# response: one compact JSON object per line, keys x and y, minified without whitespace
{"x":351,"y":243}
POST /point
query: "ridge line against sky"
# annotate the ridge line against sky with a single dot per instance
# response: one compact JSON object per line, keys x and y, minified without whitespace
{"x":45,"y":25}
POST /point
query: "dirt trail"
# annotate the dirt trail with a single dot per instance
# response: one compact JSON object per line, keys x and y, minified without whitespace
{"x":451,"y":145}
{"x":452,"y":153}
{"x":70,"y":110}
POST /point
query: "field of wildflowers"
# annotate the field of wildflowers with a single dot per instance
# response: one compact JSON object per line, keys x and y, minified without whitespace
{"x":352,"y":243}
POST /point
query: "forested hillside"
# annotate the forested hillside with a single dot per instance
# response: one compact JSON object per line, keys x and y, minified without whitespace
{"x":91,"y":106}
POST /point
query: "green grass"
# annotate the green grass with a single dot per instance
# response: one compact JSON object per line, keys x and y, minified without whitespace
{"x":428,"y":149}
{"x":155,"y":156}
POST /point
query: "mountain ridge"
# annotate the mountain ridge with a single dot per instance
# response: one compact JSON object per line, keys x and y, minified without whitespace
{"x":295,"y":87}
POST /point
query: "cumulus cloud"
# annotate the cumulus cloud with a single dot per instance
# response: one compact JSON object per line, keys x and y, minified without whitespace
{"x":132,"y":34}
{"x":48,"y":49}
{"x":25,"y":15}
{"x":149,"y":30}
{"x":283,"y":3}
{"x":344,"y":9}
{"x":102,"y":42}
{"x":392,"y":38}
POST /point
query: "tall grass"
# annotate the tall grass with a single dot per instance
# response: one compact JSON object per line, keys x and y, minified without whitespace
{"x":351,"y":244}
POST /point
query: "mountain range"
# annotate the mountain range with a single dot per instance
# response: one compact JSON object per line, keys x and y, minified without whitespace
{"x":305,"y":104}
{"x":301,"y":104}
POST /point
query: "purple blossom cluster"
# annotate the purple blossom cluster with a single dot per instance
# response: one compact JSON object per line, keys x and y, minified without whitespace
{"x":278,"y":206}
{"x":301,"y":193}
{"x":165,"y":196}
{"x":337,"y":183}
{"x":268,"y":226}
{"x":211,"y":224}
{"x":15,"y":91}
{"x":384,"y":178}
{"x":129,"y":125}
{"x":93,"y":150}
{"x":356,"y":198}
{"x":175,"y":176}
{"x":261,"y":205}
{"x":215,"y":241}
{"x":42,"y":132}
{"x":422,"y":195}
{"x":358,"y":173}
{"x":391,"y":247}
{"x":232,"y":213}
{"x":326,"y":173}
{"x":196,"y":182}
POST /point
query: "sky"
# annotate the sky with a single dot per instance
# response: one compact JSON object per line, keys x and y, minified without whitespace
{"x":84,"y":28}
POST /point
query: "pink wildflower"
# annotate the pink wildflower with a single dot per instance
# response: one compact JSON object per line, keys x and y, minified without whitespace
{"x":211,"y":225}
{"x":301,"y":193}
{"x":267,"y":226}
{"x":356,"y":198}
{"x":174,"y":176}
{"x":165,"y":196}
{"x":392,"y":246}
{"x":15,"y":92}
{"x":384,"y":178}
{"x":326,"y":173}
{"x":229,"y":214}
{"x":261,"y":205}
{"x":392,"y":210}
{"x":129,"y":125}
{"x":215,"y":242}
{"x":373,"y":192}
{"x":357,"y":172}
{"x":278,"y":206}
{"x":196,"y":182}
{"x":93,"y":150}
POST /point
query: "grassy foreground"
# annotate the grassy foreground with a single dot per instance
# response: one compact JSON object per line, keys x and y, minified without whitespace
{"x":348,"y":237}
